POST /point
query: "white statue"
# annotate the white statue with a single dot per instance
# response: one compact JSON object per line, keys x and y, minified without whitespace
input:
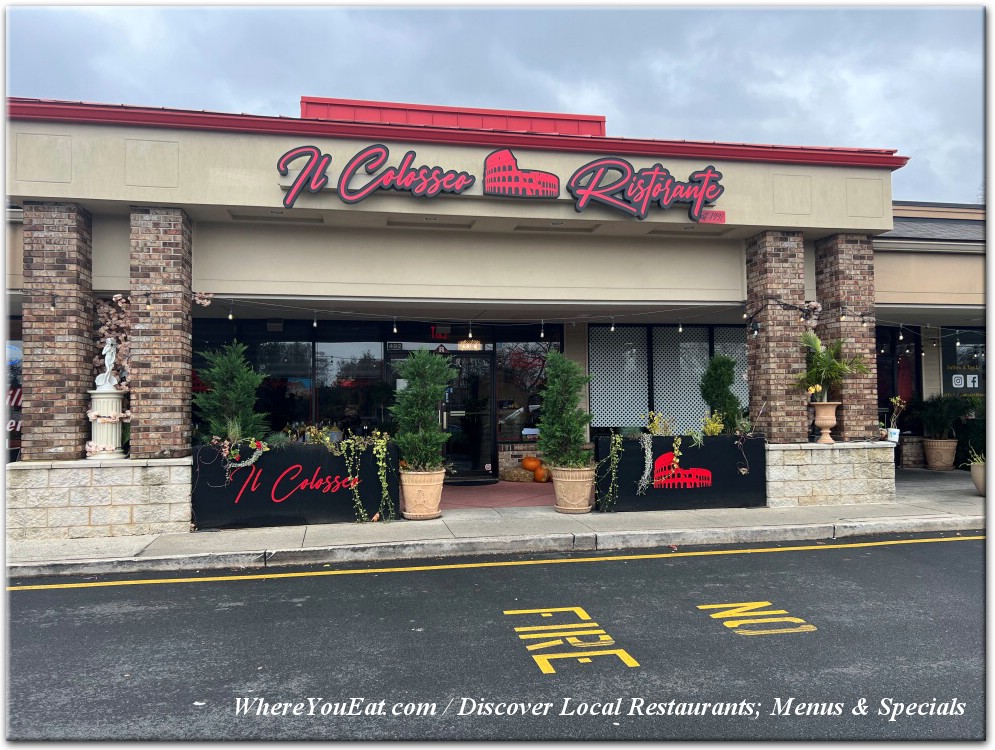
{"x":106,"y":381}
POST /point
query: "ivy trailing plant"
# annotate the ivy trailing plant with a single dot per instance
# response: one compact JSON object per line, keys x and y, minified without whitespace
{"x":563,"y":424}
{"x":609,"y":466}
{"x":351,"y":449}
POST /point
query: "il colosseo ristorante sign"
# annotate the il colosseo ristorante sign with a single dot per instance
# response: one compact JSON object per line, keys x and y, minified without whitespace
{"x":608,"y":181}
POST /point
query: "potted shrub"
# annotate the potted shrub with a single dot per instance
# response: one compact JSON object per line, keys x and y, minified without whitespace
{"x":826,"y":368}
{"x":716,"y":390}
{"x":419,"y":434}
{"x":939,"y":415}
{"x":562,"y":435}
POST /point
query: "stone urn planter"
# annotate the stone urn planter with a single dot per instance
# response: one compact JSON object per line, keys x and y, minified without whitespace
{"x":939,"y":454}
{"x":421,"y":494}
{"x":574,"y":489}
{"x":825,"y":419}
{"x":978,"y":477}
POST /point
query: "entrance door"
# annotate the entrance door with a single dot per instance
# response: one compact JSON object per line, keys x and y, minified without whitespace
{"x":467,"y":417}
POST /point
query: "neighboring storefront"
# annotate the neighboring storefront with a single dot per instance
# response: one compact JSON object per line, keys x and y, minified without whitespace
{"x":335,"y":243}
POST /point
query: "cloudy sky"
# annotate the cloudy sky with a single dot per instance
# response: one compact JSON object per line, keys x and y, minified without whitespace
{"x":908,"y":78}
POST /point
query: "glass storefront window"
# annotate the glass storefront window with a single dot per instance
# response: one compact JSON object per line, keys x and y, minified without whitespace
{"x":963,"y":358}
{"x":286,"y":392}
{"x":521,"y":375}
{"x":350,"y":387}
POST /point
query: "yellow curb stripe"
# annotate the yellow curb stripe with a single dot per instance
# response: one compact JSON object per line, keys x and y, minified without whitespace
{"x":499,"y":564}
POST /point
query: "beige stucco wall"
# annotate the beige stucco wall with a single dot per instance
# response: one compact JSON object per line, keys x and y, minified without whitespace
{"x":441,"y":265}
{"x":929,"y":278}
{"x":177,"y":167}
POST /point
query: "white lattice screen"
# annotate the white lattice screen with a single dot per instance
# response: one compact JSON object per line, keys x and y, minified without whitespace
{"x":619,"y":374}
{"x":679,"y":361}
{"x":617,"y":363}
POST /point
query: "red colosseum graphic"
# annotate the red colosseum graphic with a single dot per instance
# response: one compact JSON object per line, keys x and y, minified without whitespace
{"x":665,"y":474}
{"x":503,"y":177}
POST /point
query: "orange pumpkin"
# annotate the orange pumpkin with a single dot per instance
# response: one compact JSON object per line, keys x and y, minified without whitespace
{"x":541,"y":474}
{"x":531,"y":463}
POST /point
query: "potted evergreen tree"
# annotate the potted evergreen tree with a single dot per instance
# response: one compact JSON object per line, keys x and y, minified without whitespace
{"x":939,"y":415}
{"x":825,"y":371}
{"x":419,"y":434}
{"x":562,"y":435}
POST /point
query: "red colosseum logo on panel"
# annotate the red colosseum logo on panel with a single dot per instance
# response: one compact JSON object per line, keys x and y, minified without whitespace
{"x":667,"y":474}
{"x":502,"y":176}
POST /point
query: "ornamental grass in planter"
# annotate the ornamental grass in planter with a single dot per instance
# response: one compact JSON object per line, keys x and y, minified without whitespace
{"x":419,"y":434}
{"x":563,"y":435}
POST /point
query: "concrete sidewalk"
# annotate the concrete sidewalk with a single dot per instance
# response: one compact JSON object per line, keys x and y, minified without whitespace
{"x":926,"y":501}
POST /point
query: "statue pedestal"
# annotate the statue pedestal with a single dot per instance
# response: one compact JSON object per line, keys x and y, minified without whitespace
{"x":106,"y":435}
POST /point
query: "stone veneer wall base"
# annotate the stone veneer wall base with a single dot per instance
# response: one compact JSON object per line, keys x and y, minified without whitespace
{"x":838,"y":474}
{"x":88,"y":498}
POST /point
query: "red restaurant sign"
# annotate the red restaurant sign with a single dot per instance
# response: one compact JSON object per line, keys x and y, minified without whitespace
{"x":608,"y":181}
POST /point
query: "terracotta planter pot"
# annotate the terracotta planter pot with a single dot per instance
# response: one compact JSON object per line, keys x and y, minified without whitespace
{"x":574,"y":490}
{"x":939,"y":454}
{"x":978,"y":476}
{"x":421,"y":494}
{"x":825,"y":419}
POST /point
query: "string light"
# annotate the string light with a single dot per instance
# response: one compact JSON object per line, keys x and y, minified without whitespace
{"x":231,"y":309}
{"x":395,"y":324}
{"x":315,"y":323}
{"x":470,"y":326}
{"x":613,"y":325}
{"x":542,"y":329}
{"x":957,"y":342}
{"x":680,"y":327}
{"x":901,"y":336}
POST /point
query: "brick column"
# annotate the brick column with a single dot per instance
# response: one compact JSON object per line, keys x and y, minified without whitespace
{"x":775,"y":269}
{"x":161,"y":355}
{"x":844,"y":275}
{"x":57,"y":331}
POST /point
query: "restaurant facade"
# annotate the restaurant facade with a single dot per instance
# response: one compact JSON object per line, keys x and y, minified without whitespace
{"x":335,"y":243}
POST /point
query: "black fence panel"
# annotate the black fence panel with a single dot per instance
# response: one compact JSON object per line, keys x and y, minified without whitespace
{"x":291,"y":485}
{"x":722,"y":473}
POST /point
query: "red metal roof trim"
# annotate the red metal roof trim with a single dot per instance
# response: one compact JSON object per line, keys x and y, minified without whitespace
{"x":105,"y":114}
{"x":463,"y":118}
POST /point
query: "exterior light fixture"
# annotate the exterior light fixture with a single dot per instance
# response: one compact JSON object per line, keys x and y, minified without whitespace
{"x":745,"y":316}
{"x":470,"y":345}
{"x":755,"y":329}
{"x":51,"y":305}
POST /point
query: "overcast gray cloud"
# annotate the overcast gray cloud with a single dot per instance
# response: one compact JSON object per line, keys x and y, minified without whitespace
{"x":908,"y":78}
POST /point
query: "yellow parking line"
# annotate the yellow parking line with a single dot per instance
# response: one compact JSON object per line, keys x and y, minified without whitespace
{"x":500,"y":564}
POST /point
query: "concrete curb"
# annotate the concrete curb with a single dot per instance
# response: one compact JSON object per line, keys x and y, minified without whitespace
{"x":258,"y":561}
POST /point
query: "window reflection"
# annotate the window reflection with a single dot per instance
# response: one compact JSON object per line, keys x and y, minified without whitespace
{"x":286,"y":392}
{"x":350,"y":388}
